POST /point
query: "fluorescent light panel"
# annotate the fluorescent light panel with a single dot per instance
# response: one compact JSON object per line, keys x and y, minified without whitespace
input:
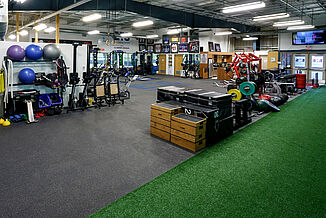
{"x":40,"y":27}
{"x":126,"y":34}
{"x":92,"y":17}
{"x":23,"y":33}
{"x":143,"y":23}
{"x":205,"y":3}
{"x":50,"y":29}
{"x":222,"y":33}
{"x":93,"y":32}
{"x":288,"y":23}
{"x":271,"y":17}
{"x":244,"y":7}
{"x":12,"y":36}
{"x":20,"y":1}
{"x":301,"y":27}
{"x":250,"y":39}
{"x":151,"y":36}
{"x":174,"y":31}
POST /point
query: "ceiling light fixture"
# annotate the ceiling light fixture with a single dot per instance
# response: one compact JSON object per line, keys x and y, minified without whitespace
{"x":151,"y":36}
{"x":12,"y":36}
{"x":50,"y":29}
{"x":143,"y":23}
{"x":20,"y":1}
{"x":271,"y":17}
{"x":126,"y":34}
{"x":93,"y":32}
{"x":243,"y":7}
{"x":23,"y":33}
{"x":301,"y":27}
{"x":288,"y":23}
{"x":206,"y":2}
{"x":222,"y":33}
{"x":92,"y":17}
{"x":250,"y":39}
{"x":174,"y":31}
{"x":40,"y":27}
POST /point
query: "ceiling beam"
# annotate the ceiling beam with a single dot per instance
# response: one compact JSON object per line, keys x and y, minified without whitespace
{"x":176,"y":16}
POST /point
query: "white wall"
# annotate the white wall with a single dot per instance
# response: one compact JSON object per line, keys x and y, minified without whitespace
{"x":285,"y":43}
{"x":99,"y":40}
{"x":224,"y":42}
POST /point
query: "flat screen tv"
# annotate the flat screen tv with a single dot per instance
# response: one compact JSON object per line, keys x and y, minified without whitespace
{"x":309,"y":37}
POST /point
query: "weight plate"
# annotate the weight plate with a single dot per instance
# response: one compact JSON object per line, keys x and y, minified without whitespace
{"x":247,"y":88}
{"x":236,"y":94}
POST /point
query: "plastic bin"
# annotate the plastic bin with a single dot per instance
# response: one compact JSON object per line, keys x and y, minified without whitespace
{"x":44,"y":101}
{"x":55,"y":99}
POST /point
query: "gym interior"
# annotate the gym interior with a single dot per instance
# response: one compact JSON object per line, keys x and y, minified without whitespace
{"x":138,"y":108}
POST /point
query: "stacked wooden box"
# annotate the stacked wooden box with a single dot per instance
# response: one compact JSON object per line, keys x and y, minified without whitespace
{"x":188,"y":132}
{"x":161,"y":115}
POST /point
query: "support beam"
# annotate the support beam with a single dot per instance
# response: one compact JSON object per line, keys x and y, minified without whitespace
{"x":36,"y":32}
{"x":17,"y":26}
{"x":57,"y":26}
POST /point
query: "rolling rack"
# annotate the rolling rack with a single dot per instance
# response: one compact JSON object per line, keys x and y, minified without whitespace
{"x":30,"y":96}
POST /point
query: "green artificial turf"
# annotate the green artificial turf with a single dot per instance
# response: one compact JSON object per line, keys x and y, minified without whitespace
{"x":275,"y":167}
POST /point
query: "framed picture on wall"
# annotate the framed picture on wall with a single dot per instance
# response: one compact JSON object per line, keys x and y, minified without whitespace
{"x":150,"y":41}
{"x":166,"y":49}
{"x":211,"y":46}
{"x":317,"y":61}
{"x":184,"y":37}
{"x":141,"y":41}
{"x":300,"y":61}
{"x":217,"y":47}
{"x":166,"y":39}
{"x":174,"y":48}
{"x":183,"y":47}
{"x":194,"y":35}
{"x":175,"y":38}
{"x":150,"y":48}
{"x":158,"y":48}
{"x":194,"y":47}
{"x":142,"y":47}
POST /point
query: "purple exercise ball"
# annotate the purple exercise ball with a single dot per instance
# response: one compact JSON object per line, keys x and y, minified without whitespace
{"x":16,"y":53}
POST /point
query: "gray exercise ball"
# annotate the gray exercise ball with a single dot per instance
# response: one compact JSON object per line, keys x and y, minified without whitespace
{"x":51,"y":52}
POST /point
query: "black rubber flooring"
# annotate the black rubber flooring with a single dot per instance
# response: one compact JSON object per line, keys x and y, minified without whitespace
{"x":74,"y":164}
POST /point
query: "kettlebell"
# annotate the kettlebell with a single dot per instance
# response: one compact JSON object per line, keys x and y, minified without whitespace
{"x":6,"y":123}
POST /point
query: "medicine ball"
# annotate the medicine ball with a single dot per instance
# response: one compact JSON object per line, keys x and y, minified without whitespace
{"x":51,"y":52}
{"x":27,"y":76}
{"x":34,"y":52}
{"x":16,"y":53}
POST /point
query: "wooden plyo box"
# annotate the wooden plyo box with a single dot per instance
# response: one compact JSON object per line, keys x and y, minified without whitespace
{"x":161,"y":115}
{"x":188,"y":131}
{"x":164,"y":111}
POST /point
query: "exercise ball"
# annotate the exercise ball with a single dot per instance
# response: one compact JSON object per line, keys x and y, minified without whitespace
{"x":51,"y":52}
{"x":27,"y":75}
{"x":16,"y":53}
{"x":34,"y":52}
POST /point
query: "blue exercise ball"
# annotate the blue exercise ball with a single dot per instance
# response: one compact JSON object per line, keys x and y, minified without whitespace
{"x":27,"y":76}
{"x":16,"y":53}
{"x":34,"y":52}
{"x":51,"y":52}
